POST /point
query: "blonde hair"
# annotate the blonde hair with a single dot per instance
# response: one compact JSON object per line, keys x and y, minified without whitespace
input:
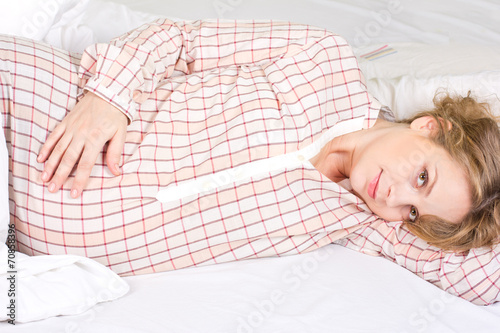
{"x":474,"y":142}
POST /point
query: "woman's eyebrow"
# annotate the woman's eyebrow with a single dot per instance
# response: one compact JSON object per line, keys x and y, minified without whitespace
{"x":434,"y":180}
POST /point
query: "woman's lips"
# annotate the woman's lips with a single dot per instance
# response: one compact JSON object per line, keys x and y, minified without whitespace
{"x":373,"y":186}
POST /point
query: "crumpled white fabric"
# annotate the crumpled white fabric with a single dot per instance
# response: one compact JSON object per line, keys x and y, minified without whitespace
{"x":69,"y":31}
{"x":47,"y":286}
{"x":34,"y":18}
{"x":92,"y":21}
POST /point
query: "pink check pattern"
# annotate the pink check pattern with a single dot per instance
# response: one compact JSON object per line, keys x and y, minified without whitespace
{"x":203,"y":98}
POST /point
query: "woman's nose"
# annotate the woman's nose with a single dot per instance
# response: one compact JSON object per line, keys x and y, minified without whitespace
{"x":401,"y":195}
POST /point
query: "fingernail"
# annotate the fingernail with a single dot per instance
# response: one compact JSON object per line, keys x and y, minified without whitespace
{"x":117,"y":168}
{"x":74,"y":193}
{"x":52,"y":187}
{"x":45,"y":176}
{"x":39,"y":158}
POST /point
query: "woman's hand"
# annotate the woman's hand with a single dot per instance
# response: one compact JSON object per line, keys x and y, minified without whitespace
{"x":79,"y":138}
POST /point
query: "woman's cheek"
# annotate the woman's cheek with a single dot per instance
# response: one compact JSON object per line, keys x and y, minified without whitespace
{"x":357,"y":184}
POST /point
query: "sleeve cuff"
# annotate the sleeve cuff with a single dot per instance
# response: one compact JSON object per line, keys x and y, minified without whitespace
{"x":127,"y":107}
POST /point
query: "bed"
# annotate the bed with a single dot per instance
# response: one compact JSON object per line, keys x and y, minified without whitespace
{"x":407,"y":51}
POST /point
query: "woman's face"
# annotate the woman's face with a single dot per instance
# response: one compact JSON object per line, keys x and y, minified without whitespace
{"x":403,"y":174}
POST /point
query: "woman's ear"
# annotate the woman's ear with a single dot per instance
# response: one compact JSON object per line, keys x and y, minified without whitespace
{"x":429,"y":125}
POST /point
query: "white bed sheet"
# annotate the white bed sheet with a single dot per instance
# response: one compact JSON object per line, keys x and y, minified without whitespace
{"x":437,"y":22}
{"x":333,"y":289}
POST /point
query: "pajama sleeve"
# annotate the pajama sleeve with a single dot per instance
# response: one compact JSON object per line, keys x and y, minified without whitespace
{"x":474,"y":276}
{"x":127,"y":71}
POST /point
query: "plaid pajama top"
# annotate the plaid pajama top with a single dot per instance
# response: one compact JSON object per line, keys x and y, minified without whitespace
{"x":224,"y":117}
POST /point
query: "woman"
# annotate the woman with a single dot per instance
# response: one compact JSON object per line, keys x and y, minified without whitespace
{"x":230,"y":134}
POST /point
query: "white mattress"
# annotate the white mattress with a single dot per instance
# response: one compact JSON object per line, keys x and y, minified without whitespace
{"x":333,"y":289}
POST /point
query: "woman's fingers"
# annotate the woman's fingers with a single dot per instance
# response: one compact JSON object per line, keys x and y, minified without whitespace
{"x":78,"y":140}
{"x":84,"y":168}
{"x":61,"y":163}
{"x":114,"y":152}
{"x":53,"y":155}
{"x":51,"y":141}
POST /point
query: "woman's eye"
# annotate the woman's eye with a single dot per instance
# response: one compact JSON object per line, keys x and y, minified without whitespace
{"x":413,"y":213}
{"x":422,"y":178}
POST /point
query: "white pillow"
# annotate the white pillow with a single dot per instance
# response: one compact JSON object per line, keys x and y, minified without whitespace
{"x":34,"y":18}
{"x":70,"y":33}
{"x":73,"y":25}
{"x":406,"y":94}
{"x":96,"y":22}
{"x":110,"y":19}
{"x":406,"y":76}
{"x":425,"y":60}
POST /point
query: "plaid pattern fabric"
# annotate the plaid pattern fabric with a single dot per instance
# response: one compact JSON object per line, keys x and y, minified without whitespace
{"x":219,"y":115}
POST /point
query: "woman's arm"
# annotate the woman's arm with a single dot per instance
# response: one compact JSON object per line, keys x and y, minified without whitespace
{"x":474,"y":276}
{"x":127,"y":71}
